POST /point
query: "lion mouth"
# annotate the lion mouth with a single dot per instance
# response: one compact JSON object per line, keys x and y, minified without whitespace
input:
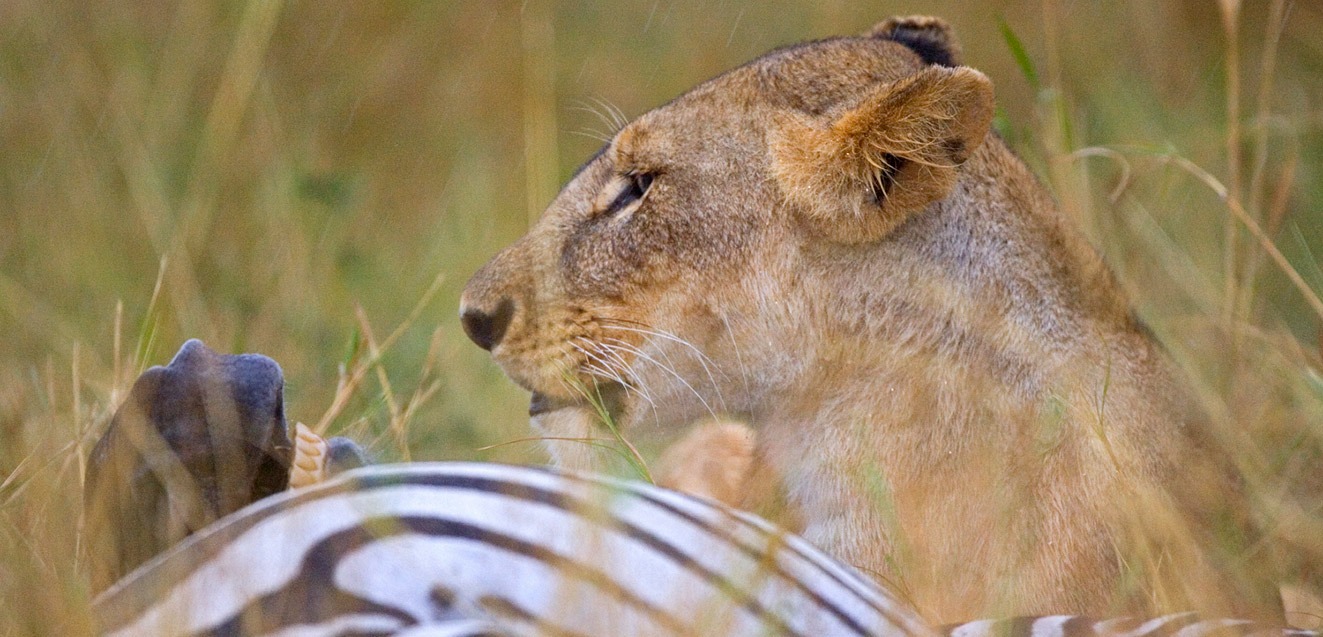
{"x":606,"y":397}
{"x":541,"y":403}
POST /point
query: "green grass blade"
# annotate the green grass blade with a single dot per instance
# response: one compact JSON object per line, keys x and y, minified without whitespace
{"x":1018,"y":52}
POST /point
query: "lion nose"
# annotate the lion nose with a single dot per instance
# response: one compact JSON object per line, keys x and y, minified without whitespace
{"x":487,"y":328}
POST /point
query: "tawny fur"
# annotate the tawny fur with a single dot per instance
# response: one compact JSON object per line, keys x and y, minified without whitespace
{"x":949,"y":383}
{"x":713,"y":460}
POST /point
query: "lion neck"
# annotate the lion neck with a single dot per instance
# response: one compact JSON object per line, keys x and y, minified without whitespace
{"x":967,"y":322}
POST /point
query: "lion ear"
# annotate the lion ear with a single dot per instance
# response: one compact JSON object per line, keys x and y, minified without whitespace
{"x":896,"y":151}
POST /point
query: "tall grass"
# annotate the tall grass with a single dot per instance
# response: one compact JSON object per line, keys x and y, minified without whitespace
{"x":302,"y":178}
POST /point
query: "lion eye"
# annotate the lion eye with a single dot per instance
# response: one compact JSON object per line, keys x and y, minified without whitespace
{"x":624,"y":192}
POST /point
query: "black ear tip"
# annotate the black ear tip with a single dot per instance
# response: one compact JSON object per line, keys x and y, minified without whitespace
{"x":931,"y":38}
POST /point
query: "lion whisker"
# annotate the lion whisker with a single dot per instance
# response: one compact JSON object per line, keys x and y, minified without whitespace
{"x":600,"y":363}
{"x":592,"y":134}
{"x":638,"y":385}
{"x":615,"y":117}
{"x":735,"y":346}
{"x":644,"y":328}
{"x":613,"y":372}
{"x":604,"y":114}
{"x":666,"y":368}
{"x":703,"y":359}
{"x":608,"y":350}
{"x":652,"y":331}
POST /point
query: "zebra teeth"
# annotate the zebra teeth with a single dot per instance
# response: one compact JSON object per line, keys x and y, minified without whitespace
{"x":310,"y":454}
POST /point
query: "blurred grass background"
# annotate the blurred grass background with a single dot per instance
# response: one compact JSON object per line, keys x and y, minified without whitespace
{"x":303,"y":178}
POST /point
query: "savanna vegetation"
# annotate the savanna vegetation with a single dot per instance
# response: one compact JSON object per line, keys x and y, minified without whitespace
{"x":316,"y":180}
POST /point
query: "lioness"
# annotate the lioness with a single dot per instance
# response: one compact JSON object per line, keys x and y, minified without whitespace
{"x":829,"y":244}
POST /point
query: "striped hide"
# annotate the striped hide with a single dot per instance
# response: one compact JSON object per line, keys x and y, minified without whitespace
{"x":451,"y":549}
{"x":1175,"y":625}
{"x":484,"y":549}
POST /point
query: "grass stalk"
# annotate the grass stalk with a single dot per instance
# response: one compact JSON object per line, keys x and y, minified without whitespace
{"x":1276,"y":23}
{"x":541,"y":156}
{"x":1230,"y":10}
{"x":1238,"y":213}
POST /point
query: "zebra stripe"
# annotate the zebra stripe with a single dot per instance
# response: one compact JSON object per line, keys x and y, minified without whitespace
{"x":469,"y":550}
{"x":503,"y":544}
{"x":1174,"y":625}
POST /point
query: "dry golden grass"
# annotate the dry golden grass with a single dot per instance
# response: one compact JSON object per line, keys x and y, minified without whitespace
{"x":300,"y":179}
